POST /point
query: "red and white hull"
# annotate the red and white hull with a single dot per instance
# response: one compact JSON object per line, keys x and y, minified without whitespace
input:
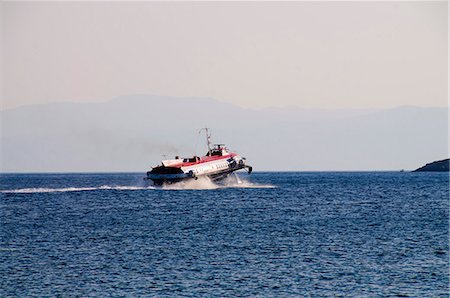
{"x":217,"y":164}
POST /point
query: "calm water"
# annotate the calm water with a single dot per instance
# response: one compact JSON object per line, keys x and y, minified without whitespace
{"x":313,"y":234}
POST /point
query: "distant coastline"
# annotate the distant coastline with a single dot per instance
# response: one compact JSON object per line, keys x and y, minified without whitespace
{"x":436,"y":166}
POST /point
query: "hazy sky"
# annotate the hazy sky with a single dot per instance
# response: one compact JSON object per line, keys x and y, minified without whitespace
{"x":254,"y":54}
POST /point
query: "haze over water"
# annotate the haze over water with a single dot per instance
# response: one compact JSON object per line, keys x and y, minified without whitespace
{"x":289,"y":234}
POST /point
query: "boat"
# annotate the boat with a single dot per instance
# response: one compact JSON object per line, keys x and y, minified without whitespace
{"x":217,"y":164}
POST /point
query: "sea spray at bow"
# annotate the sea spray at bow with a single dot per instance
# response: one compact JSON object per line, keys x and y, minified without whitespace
{"x":205,"y":183}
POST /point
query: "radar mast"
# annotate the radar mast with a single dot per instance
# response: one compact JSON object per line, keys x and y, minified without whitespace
{"x":208,"y":138}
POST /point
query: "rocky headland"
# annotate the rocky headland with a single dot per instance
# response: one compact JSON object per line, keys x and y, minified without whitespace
{"x":436,"y":166}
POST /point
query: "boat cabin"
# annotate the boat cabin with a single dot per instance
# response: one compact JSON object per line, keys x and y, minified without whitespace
{"x":218,"y":150}
{"x":192,"y":159}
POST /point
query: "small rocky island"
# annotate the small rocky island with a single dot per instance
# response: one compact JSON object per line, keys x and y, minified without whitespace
{"x":436,"y":166}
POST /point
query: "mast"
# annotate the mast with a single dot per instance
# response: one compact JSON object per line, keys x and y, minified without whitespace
{"x":208,"y":139}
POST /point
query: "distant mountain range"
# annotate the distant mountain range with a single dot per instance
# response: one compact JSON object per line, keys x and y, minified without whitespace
{"x":131,"y":133}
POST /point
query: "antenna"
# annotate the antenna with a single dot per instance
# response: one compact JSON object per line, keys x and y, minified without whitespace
{"x":208,"y":138}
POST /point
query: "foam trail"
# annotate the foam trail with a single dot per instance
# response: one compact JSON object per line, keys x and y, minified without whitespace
{"x":72,"y":189}
{"x":202,"y":183}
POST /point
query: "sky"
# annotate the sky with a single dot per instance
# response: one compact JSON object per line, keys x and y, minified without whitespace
{"x":334,"y":55}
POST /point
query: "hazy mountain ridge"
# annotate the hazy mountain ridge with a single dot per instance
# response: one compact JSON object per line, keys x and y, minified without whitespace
{"x":130,"y":133}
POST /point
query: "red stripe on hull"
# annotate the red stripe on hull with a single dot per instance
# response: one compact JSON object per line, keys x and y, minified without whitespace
{"x":204,"y":159}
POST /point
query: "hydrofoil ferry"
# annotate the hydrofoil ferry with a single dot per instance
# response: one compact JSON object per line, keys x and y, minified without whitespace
{"x":217,"y":164}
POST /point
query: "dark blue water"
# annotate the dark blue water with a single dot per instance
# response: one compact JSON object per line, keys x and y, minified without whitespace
{"x":314,"y":234}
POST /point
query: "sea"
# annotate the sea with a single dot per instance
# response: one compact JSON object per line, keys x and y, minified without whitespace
{"x":268,"y":234}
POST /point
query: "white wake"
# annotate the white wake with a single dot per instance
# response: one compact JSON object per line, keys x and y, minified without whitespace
{"x":202,"y":183}
{"x":71,"y":189}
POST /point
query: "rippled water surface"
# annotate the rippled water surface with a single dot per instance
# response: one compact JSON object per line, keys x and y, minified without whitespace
{"x":275,"y":234}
